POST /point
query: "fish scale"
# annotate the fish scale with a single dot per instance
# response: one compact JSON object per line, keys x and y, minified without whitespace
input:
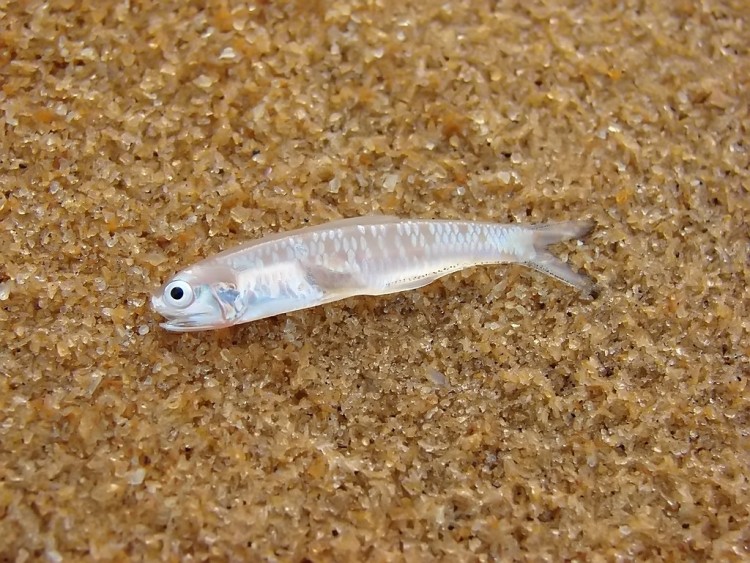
{"x":362,"y":256}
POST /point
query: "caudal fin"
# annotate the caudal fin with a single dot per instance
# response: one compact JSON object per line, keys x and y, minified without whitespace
{"x":546,"y":262}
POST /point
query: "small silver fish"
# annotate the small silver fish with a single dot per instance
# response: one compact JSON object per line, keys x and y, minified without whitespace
{"x":360,"y":256}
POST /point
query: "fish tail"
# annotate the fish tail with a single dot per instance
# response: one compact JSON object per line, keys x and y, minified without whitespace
{"x":544,"y":261}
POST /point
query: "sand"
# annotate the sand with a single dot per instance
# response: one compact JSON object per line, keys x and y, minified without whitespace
{"x":495,"y":414}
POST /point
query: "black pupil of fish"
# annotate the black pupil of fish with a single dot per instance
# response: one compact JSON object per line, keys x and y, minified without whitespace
{"x":176,"y":293}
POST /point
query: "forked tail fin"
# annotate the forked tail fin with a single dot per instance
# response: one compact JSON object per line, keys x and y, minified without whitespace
{"x":546,"y":262}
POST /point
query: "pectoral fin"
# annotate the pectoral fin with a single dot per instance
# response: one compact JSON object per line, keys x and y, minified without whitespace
{"x":333,"y":276}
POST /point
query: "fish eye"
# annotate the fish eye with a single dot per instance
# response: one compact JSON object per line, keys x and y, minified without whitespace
{"x":178,"y":294}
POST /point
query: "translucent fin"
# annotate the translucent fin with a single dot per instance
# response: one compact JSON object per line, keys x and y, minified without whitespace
{"x":407,"y":285}
{"x":332,"y":277}
{"x":546,"y":262}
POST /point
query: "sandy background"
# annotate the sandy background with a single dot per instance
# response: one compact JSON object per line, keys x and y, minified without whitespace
{"x":494,"y":414}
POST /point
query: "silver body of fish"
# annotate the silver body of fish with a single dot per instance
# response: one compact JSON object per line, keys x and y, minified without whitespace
{"x":373,"y":255}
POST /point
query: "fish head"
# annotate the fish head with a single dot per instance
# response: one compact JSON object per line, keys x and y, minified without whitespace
{"x":192,"y":301}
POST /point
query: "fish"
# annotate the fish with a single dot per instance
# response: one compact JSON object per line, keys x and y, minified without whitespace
{"x":371,"y":255}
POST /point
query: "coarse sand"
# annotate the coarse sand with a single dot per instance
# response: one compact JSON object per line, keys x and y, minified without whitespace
{"x":493,"y":415}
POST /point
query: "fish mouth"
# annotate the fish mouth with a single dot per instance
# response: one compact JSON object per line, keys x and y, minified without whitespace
{"x":174,"y":322}
{"x":193,"y":324}
{"x":181,"y":326}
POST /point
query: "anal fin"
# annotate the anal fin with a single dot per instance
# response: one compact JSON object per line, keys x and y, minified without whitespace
{"x":419,"y":281}
{"x":407,"y":285}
